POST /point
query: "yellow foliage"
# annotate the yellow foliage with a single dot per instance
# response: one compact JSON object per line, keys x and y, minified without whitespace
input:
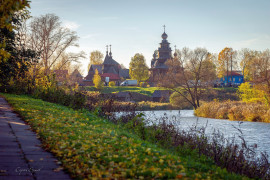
{"x":7,"y":10}
{"x":97,"y":81}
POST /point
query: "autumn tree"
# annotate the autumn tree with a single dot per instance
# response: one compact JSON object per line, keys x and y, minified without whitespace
{"x":262,"y":66}
{"x":14,"y":58}
{"x":8,"y":8}
{"x":97,"y":81}
{"x":96,"y":58}
{"x":51,"y":39}
{"x":190,"y":74}
{"x":226,"y":62}
{"x":138,"y":69}
{"x":247,"y":58}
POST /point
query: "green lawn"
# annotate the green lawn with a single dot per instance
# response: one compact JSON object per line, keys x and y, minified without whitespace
{"x":146,"y":91}
{"x":89,"y":146}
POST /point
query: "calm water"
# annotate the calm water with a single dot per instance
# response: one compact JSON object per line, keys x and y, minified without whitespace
{"x":253,"y":132}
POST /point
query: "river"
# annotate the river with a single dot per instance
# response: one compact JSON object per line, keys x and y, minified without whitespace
{"x":253,"y":132}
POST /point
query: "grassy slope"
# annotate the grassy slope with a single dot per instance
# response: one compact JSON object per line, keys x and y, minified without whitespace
{"x":146,"y":91}
{"x":90,"y":146}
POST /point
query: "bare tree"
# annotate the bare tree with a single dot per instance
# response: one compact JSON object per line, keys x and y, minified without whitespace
{"x":48,"y":37}
{"x":66,"y":59}
{"x":190,"y":74}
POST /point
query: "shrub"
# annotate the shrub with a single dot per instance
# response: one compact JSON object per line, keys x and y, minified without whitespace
{"x":143,"y":84}
{"x":97,"y":81}
{"x":179,"y":101}
{"x":235,"y":110}
{"x":254,"y":94}
{"x":112,"y":84}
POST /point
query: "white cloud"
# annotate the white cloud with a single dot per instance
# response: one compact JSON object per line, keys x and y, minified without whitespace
{"x":71,"y":25}
{"x":259,"y":42}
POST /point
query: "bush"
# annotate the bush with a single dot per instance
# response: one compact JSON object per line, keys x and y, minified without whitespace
{"x":112,"y":84}
{"x":254,"y":94}
{"x":143,"y":84}
{"x":179,"y":101}
{"x":235,"y":110}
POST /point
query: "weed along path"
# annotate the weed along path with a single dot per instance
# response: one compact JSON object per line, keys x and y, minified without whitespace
{"x":21,"y":155}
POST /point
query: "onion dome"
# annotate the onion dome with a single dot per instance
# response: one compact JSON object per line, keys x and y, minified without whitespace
{"x":175,"y":54}
{"x":164,"y":36}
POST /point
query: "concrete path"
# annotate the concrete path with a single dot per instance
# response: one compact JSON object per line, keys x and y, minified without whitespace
{"x":21,"y":155}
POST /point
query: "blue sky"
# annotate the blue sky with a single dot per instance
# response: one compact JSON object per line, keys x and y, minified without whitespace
{"x":135,"y":26}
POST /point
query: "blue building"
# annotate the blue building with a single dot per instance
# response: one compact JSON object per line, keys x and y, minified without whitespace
{"x":234,"y":79}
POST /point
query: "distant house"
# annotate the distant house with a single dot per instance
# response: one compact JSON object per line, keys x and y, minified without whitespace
{"x":76,"y":77}
{"x":124,"y":96}
{"x":161,"y":96}
{"x":235,"y":78}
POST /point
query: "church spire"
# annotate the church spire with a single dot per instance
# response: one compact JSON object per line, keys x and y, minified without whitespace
{"x":110,"y":51}
{"x":106,"y":49}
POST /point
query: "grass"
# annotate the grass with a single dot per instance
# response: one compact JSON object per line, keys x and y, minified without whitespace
{"x":89,"y":146}
{"x":146,"y":91}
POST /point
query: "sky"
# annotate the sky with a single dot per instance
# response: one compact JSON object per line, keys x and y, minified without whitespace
{"x":135,"y":26}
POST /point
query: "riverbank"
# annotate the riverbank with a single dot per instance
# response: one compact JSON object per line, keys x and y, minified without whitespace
{"x":90,"y":146}
{"x":235,"y":110}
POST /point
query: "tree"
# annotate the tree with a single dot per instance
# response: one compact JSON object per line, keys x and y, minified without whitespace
{"x":138,"y":69}
{"x":262,"y":66}
{"x":96,"y":58}
{"x":226,"y":62}
{"x":190,"y":74}
{"x":8,"y":8}
{"x":48,"y":37}
{"x":247,"y":63}
{"x":97,"y":81}
{"x":15,"y":59}
{"x":66,"y":59}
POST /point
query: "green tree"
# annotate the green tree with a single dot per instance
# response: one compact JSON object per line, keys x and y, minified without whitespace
{"x":96,"y":58}
{"x":138,"y":69}
{"x":97,"y":81}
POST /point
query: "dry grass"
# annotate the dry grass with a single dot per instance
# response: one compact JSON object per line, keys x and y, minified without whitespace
{"x":235,"y":110}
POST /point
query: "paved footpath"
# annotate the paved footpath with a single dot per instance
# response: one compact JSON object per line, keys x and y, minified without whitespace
{"x":21,"y":155}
